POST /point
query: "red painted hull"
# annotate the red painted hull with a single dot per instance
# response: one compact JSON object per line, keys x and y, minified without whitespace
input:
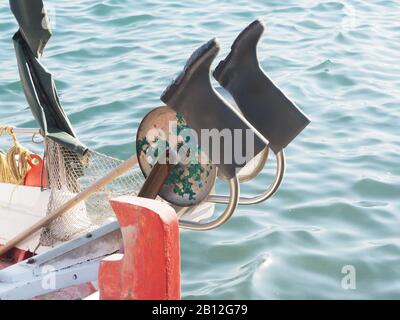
{"x":14,"y":256}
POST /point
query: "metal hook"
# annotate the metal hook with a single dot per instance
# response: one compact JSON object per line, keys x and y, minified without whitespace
{"x":224,"y":217}
{"x":37,"y":141}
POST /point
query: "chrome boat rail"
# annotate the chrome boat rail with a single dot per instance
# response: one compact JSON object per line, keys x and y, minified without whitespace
{"x":274,"y":186}
{"x":224,"y":217}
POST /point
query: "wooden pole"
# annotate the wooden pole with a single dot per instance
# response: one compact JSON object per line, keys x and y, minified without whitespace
{"x":154,"y":182}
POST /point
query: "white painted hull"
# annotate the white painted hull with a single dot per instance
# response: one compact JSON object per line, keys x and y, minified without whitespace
{"x":20,"y":208}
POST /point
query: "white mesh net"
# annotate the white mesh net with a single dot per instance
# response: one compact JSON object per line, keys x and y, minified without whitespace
{"x":68,"y":174}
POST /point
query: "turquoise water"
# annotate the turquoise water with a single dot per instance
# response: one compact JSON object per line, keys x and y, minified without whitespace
{"x":338,"y":60}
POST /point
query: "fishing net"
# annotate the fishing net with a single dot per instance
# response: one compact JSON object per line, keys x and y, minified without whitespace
{"x":68,"y":174}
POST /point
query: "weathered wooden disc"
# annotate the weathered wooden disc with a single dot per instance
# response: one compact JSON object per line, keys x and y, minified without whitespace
{"x":191,"y":180}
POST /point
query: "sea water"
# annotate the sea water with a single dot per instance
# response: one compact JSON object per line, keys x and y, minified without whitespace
{"x":332,"y":231}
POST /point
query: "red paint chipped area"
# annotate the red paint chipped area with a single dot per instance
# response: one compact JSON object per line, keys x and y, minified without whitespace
{"x":14,"y":256}
{"x":4,"y":264}
{"x":72,"y":293}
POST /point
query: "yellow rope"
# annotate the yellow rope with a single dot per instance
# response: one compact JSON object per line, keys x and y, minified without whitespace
{"x":14,"y":165}
{"x":5,"y":171}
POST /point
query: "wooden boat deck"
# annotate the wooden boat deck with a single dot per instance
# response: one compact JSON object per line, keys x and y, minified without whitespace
{"x":4,"y":263}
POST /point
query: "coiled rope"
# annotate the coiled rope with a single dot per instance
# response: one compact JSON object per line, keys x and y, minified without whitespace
{"x":14,"y":165}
